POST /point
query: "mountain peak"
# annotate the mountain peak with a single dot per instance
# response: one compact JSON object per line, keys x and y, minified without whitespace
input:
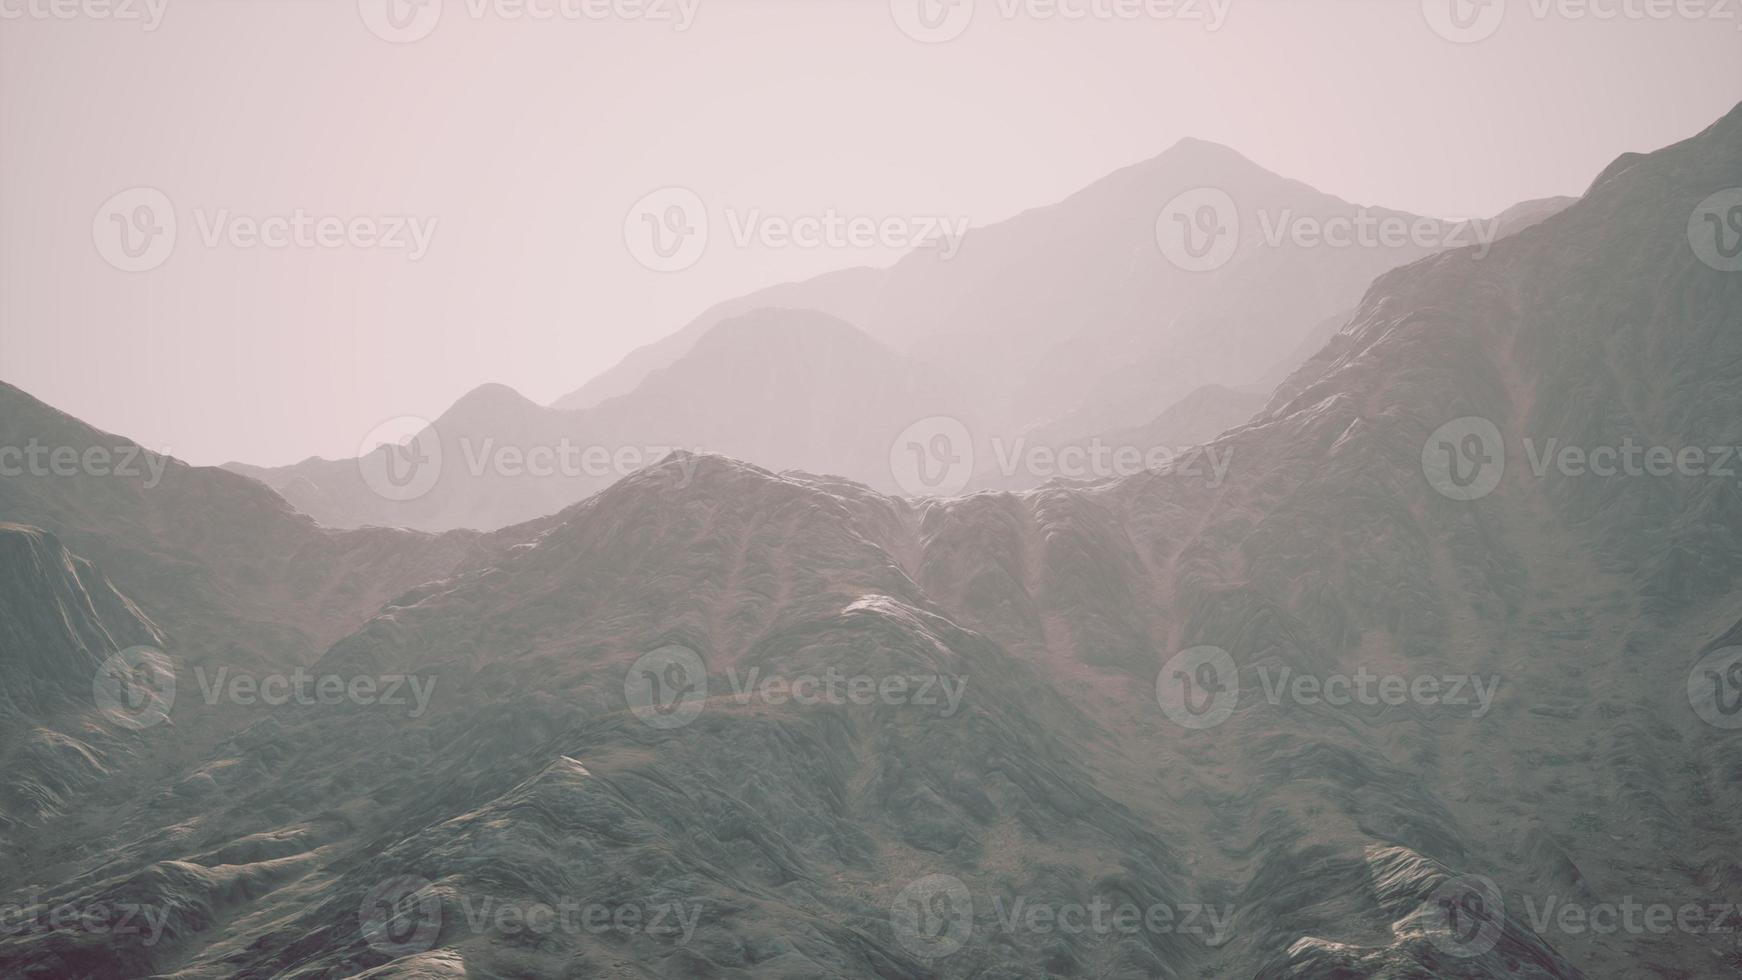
{"x":1193,"y":151}
{"x":487,"y":403}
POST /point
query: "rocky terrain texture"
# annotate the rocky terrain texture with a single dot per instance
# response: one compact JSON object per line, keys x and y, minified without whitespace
{"x":557,"y":763}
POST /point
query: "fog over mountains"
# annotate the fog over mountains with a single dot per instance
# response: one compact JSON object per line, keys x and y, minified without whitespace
{"x":1062,"y":327}
{"x":1424,"y":664}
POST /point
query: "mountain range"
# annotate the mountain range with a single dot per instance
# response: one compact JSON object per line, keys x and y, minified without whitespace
{"x":646,"y":706}
{"x":1064,"y":325}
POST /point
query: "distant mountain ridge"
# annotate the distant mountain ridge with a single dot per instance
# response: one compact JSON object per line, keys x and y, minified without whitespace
{"x":1063,"y":325}
{"x":794,"y":389}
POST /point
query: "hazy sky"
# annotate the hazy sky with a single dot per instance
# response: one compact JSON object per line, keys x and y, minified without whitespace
{"x":518,"y":146}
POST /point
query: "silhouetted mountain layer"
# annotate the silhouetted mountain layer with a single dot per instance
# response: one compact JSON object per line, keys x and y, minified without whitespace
{"x":1070,"y":320}
{"x":788,"y":388}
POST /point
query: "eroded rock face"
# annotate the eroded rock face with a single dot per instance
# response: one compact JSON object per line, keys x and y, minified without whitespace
{"x":219,"y":562}
{"x":760,"y":724}
{"x":59,"y":616}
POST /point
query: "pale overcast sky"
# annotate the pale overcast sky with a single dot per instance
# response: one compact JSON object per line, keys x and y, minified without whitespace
{"x":526,"y":142}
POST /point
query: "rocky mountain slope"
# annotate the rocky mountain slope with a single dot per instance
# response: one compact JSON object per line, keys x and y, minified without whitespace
{"x":777,"y":725}
{"x":222,"y":564}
